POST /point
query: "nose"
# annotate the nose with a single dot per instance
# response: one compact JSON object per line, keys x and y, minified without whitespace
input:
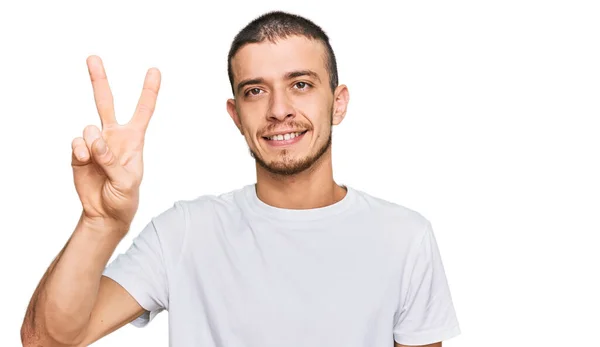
{"x":281,"y":107}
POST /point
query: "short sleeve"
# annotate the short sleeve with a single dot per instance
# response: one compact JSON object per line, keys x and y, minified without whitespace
{"x":143,"y":269}
{"x":426,"y":313}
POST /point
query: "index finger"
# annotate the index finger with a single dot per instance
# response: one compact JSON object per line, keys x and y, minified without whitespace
{"x":102,"y":94}
{"x":147,"y":102}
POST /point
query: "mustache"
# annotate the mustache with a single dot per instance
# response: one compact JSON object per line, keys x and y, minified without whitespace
{"x":287,"y":125}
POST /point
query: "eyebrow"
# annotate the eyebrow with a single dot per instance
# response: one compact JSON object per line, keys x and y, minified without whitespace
{"x":288,"y":76}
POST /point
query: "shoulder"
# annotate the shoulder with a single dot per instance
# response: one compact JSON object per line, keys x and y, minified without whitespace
{"x":174,"y":225}
{"x":204,"y":208}
{"x":398,"y":219}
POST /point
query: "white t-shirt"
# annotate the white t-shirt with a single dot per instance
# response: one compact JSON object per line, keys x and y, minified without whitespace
{"x":233,"y":271}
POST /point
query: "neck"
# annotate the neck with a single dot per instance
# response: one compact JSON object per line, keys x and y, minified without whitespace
{"x":312,"y":188}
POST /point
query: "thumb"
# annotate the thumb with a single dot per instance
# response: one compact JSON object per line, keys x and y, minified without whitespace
{"x":107,"y":160}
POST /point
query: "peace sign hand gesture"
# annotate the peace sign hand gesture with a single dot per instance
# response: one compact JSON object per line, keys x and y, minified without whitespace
{"x":108,"y":163}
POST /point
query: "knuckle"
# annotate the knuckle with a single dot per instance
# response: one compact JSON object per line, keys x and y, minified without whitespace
{"x":89,"y":128}
{"x":128,"y":185}
{"x":151,"y":91}
{"x":145,"y":108}
{"x":110,"y":159}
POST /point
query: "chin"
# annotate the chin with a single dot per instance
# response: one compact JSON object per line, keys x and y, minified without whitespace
{"x":286,"y":168}
{"x":290,"y":166}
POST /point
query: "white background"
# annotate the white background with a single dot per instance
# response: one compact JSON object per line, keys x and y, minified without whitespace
{"x":481,"y":115}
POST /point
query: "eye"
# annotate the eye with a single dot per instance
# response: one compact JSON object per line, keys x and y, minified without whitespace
{"x":302,"y":85}
{"x":253,"y":91}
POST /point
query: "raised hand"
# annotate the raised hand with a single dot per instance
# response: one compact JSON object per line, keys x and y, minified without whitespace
{"x":108,"y":163}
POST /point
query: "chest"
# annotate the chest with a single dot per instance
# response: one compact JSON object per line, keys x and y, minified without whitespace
{"x":270,"y":283}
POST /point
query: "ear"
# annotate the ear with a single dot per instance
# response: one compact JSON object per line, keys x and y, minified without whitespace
{"x":232,"y":110}
{"x":341,"y":97}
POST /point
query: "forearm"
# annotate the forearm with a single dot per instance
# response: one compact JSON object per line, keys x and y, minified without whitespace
{"x":60,"y":307}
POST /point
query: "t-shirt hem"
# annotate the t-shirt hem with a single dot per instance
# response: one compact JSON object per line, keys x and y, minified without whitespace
{"x":427,"y":337}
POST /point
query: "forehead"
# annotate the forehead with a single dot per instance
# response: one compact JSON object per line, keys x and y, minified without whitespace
{"x":272,"y":60}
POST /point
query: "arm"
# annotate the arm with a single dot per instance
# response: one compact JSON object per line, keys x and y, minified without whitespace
{"x":74,"y":304}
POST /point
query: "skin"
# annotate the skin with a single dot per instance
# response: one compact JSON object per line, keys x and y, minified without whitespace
{"x":74,"y":305}
{"x":278,"y":103}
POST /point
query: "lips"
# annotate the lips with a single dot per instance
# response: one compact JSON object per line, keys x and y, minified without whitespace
{"x":284,"y":136}
{"x":285,"y":139}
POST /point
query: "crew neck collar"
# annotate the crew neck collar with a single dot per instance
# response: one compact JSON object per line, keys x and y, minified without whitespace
{"x":296,"y":215}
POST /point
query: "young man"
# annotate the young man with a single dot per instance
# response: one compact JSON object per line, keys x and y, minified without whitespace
{"x":293,"y":260}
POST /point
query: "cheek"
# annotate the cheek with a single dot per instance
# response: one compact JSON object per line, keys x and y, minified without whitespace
{"x":246,"y":117}
{"x":254,"y":107}
{"x":249,"y":130}
{"x":317,"y":109}
{"x":251,"y":114}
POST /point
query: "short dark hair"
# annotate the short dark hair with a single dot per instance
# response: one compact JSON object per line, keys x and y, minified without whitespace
{"x":279,"y":25}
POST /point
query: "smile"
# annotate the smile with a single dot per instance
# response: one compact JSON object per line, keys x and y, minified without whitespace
{"x":285,"y":139}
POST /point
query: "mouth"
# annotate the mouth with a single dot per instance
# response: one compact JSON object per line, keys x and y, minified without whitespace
{"x":285,"y":139}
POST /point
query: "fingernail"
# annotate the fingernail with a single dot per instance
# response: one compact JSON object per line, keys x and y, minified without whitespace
{"x":102,"y":148}
{"x":81,"y":154}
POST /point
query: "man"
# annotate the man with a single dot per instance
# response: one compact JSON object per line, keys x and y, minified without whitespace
{"x":293,"y":260}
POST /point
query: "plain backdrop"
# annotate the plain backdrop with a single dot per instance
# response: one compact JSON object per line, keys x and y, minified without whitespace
{"x":481,"y":115}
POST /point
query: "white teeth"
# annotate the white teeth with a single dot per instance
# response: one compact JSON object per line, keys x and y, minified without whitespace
{"x":287,"y":136}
